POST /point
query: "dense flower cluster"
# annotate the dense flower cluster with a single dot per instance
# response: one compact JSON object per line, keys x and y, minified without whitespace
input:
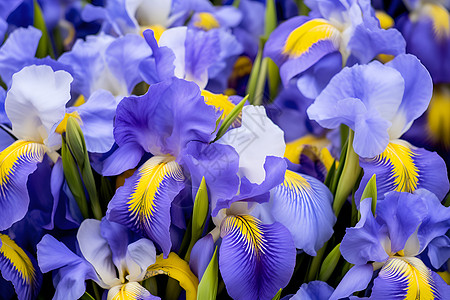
{"x":246,"y":149}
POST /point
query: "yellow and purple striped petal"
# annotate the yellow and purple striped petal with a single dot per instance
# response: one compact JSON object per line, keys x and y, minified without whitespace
{"x":255,"y":259}
{"x":130,"y":291}
{"x":404,"y":168}
{"x":19,"y":268}
{"x":407,"y":278}
{"x":143,"y":202}
{"x":304,"y":205}
{"x":17,"y":162}
{"x":301,"y":40}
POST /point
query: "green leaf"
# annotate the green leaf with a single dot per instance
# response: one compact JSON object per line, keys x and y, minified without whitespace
{"x":236,"y":3}
{"x":45,"y":46}
{"x":207,"y":288}
{"x":278,"y":295}
{"x":252,"y":81}
{"x":230,"y":118}
{"x":273,"y":76}
{"x":270,"y":18}
{"x":329,"y":263}
{"x":86,"y":296}
{"x":370,"y":191}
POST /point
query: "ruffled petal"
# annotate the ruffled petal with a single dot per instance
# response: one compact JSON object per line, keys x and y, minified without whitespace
{"x":402,"y":213}
{"x":97,"y":116}
{"x":304,"y":206}
{"x":364,"y":242}
{"x":406,"y":278}
{"x":257,"y":138}
{"x":219,"y":165}
{"x":18,"y":51}
{"x":255,"y":260}
{"x":36,"y":101}
{"x":17,"y":162}
{"x":20,"y":268}
{"x":417,"y":96}
{"x":143,"y":203}
{"x":405,"y":168}
{"x":165,"y":119}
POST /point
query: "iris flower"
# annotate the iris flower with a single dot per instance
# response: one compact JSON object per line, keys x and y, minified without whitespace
{"x":404,"y":226}
{"x":335,"y":34}
{"x":380,"y":109}
{"x":248,"y":222}
{"x":35,"y":105}
{"x":107,"y":254}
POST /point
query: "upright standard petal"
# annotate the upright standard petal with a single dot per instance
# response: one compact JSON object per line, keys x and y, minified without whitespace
{"x":18,"y":51}
{"x":143,"y":202}
{"x":417,"y":96}
{"x":407,"y":278}
{"x":19,"y":268}
{"x":36,"y":101}
{"x":96,"y":250}
{"x":255,"y":260}
{"x":405,"y":168}
{"x":17,"y":162}
{"x":257,"y":138}
{"x":365,"y":241}
{"x":165,"y":119}
{"x":304,"y":205}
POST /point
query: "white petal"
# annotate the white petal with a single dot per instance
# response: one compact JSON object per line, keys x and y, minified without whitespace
{"x":257,"y":138}
{"x":36,"y":101}
{"x":154,"y":12}
{"x":174,"y":39}
{"x":95,"y":250}
{"x":143,"y":253}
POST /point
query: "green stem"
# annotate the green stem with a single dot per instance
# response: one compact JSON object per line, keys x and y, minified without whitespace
{"x":315,"y":264}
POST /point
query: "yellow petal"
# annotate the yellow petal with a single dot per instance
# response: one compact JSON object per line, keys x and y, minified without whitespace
{"x":178,"y":269}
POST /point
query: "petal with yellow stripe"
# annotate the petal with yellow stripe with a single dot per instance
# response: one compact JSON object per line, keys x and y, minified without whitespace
{"x":19,"y":268}
{"x":255,"y":259}
{"x":17,"y":162}
{"x":143,"y":202}
{"x":130,"y":291}
{"x":304,"y":205}
{"x":302,"y":39}
{"x":405,"y":168}
{"x":406,"y":278}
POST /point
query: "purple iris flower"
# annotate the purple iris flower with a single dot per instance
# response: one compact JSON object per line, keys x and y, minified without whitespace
{"x":426,"y":30}
{"x":105,"y":62}
{"x":405,"y":225}
{"x":106,"y":253}
{"x":380,"y":109}
{"x":204,"y":57}
{"x":303,"y":46}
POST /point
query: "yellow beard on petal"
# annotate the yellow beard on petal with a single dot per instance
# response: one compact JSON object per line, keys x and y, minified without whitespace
{"x":304,"y":37}
{"x":206,"y":21}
